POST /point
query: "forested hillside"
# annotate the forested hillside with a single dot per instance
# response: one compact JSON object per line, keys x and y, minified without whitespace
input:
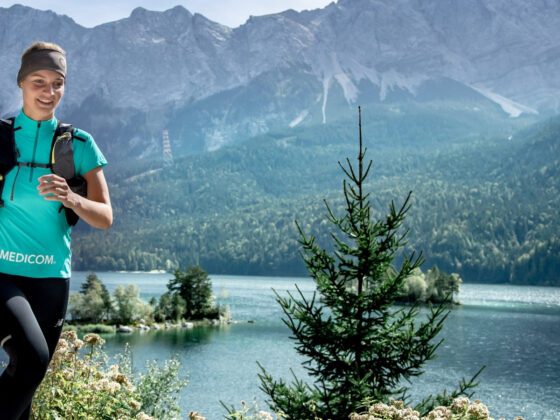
{"x":485,"y":197}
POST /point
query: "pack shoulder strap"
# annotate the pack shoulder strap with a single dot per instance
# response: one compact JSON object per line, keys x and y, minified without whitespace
{"x":62,"y":163}
{"x":8,"y":153}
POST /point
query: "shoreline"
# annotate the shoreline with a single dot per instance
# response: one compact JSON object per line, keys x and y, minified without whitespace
{"x":155,"y":326}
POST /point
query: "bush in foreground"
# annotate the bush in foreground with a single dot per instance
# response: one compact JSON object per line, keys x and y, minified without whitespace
{"x":83,"y":386}
{"x":461,"y":408}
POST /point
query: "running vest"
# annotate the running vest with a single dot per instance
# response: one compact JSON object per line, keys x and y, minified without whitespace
{"x":61,"y":161}
{"x":35,"y":236}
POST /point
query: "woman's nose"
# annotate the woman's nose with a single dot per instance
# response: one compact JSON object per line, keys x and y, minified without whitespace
{"x":50,"y":89}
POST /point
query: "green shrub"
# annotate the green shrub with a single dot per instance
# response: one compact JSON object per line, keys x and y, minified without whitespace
{"x":69,"y":327}
{"x":81,"y":385}
{"x":95,"y":328}
{"x":128,"y":305}
{"x":157,"y":388}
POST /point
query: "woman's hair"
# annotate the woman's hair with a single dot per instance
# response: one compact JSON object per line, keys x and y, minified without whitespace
{"x":42,"y":45}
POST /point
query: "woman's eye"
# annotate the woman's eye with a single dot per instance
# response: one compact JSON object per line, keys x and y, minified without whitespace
{"x":58,"y":85}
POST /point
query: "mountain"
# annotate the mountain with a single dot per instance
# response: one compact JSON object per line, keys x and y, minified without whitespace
{"x":211,"y":85}
{"x":456,"y":97}
{"x":486,"y":209}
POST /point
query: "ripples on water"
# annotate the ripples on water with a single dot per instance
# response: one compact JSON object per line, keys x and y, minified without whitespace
{"x":509,"y":296}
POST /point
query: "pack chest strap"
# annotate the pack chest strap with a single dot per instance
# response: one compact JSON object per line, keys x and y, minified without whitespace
{"x":34,"y":165}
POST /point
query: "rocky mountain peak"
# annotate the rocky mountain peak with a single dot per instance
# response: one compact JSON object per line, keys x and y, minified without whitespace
{"x":291,"y":68}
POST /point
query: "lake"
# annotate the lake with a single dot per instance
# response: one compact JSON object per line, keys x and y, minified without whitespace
{"x":513,"y":330}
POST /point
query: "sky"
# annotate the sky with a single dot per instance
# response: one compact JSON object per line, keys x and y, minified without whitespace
{"x":90,"y":13}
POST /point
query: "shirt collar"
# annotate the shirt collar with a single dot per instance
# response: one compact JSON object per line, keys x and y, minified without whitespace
{"x":30,"y":126}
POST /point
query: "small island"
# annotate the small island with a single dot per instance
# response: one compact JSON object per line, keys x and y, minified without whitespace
{"x":432,"y":287}
{"x":188,"y":302}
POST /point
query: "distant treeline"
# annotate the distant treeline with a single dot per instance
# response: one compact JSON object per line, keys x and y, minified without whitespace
{"x":486,"y":208}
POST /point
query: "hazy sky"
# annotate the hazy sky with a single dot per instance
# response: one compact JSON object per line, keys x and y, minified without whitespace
{"x":232,"y":13}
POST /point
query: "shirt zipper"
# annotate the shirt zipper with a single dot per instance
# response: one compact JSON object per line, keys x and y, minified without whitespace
{"x":14,"y":184}
{"x":34,"y":150}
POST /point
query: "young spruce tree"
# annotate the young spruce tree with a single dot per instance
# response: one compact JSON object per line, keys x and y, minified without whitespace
{"x":358,"y":346}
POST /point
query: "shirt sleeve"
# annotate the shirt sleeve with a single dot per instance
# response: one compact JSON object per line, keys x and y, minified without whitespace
{"x":91,"y":156}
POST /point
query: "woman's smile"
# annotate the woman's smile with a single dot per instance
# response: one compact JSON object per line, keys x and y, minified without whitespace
{"x":46,"y":102}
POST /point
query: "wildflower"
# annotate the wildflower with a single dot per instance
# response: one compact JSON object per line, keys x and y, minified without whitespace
{"x":478,"y":411}
{"x":67,"y":374}
{"x":77,"y":345}
{"x":440,"y":413}
{"x":409,"y":414}
{"x":62,"y":345}
{"x":93,"y":339}
{"x":136,"y":405}
{"x":107,"y":385}
{"x":397,"y":404}
{"x":112,"y":387}
{"x":99,"y":385}
{"x":378,"y":408}
{"x":356,"y":416}
{"x":62,"y":353}
{"x":61,"y":348}
{"x":69,"y":335}
{"x":143,"y":416}
{"x":263,"y":415}
{"x":121,"y":379}
{"x":459,"y":405}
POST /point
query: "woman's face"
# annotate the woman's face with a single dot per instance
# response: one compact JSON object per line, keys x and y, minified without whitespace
{"x":42,"y":91}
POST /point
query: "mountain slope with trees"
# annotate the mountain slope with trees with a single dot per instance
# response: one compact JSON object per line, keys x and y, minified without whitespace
{"x":484,"y":205}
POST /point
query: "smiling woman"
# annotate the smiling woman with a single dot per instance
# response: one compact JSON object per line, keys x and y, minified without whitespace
{"x":51,"y":174}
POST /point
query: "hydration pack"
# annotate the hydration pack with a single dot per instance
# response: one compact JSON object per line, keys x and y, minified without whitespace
{"x":61,"y":160}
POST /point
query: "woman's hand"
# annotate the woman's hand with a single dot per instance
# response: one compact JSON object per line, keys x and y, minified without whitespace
{"x":95,"y":210}
{"x":54,"y":188}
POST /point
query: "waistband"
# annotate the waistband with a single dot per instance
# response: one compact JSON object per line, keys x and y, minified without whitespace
{"x":13,"y":277}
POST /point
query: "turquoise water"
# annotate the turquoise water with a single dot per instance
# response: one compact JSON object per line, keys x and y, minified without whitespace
{"x":514,"y":330}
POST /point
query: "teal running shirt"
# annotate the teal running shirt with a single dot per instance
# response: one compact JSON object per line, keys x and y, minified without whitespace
{"x":34,"y":235}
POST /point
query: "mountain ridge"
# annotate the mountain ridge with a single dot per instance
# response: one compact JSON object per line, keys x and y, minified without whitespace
{"x":361,"y":51}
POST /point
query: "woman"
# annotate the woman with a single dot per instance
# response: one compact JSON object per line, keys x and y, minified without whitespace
{"x":35,"y":234}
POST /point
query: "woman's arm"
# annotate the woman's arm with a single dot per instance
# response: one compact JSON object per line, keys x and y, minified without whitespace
{"x":95,"y":210}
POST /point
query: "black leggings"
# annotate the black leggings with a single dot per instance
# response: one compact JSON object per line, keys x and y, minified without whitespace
{"x":32,"y":311}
